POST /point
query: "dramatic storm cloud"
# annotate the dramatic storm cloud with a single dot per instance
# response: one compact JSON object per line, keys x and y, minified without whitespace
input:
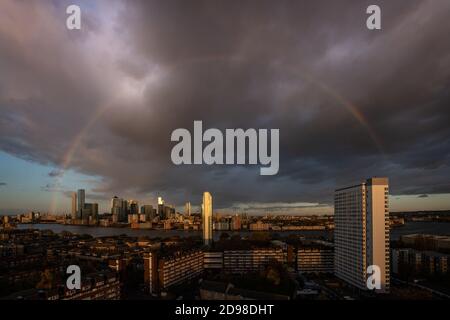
{"x":350,"y":103}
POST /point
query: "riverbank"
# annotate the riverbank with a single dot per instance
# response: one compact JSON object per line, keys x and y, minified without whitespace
{"x":408,"y":228}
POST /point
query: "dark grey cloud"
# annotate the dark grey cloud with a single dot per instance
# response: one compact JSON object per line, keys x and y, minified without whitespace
{"x":350,"y":103}
{"x":2,"y":184}
{"x":56,"y":173}
{"x":52,"y":187}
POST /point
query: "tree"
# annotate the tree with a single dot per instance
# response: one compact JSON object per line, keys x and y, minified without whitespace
{"x":47,"y":280}
{"x":260,"y":236}
{"x":273,"y":275}
{"x":224,"y":236}
{"x":236,"y":237}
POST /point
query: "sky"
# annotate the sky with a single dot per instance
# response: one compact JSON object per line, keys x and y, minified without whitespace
{"x":94,"y":108}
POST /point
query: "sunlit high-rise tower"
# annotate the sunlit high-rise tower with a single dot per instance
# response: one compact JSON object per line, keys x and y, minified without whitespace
{"x":161,"y":212}
{"x":361,"y":235}
{"x":187,"y":209}
{"x":207,"y":210}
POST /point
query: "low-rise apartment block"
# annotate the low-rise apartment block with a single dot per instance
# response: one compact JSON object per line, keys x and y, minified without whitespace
{"x":162,"y":271}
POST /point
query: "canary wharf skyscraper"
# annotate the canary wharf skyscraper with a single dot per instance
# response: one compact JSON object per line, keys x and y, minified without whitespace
{"x":187,"y":209}
{"x":161,"y":208}
{"x":207,"y":210}
{"x":74,"y":205}
{"x":361,"y":235}
{"x":81,"y":201}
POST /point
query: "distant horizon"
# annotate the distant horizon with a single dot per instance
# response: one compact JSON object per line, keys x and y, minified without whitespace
{"x":397,"y":203}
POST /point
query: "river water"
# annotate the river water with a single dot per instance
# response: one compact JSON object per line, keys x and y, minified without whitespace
{"x":409,"y":228}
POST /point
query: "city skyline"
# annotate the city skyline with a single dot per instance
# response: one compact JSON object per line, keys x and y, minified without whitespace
{"x":97,"y":108}
{"x":421,"y":202}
